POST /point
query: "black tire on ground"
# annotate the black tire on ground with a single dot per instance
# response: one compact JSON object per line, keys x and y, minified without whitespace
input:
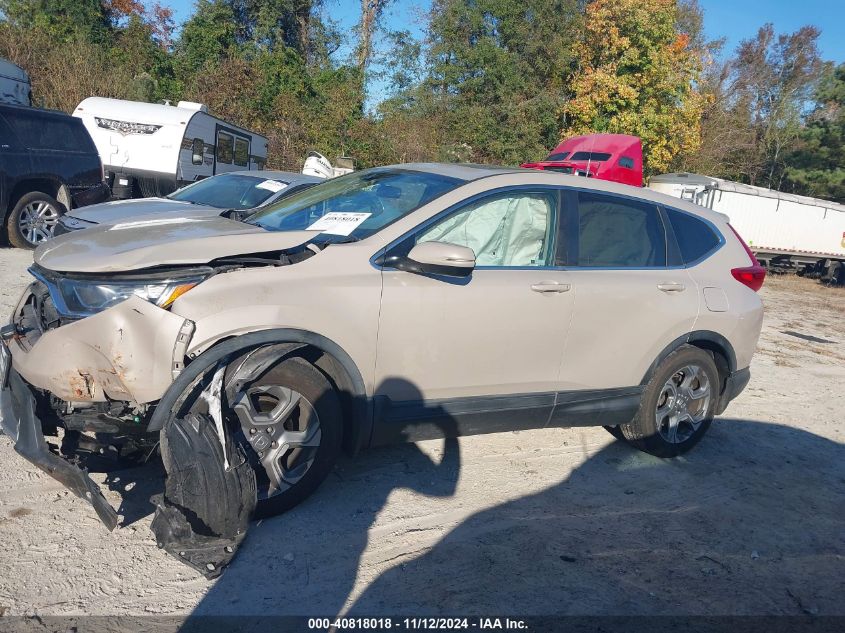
{"x":616,"y":432}
{"x":13,"y":230}
{"x":643,"y":431}
{"x":216,"y":501}
{"x":301,"y":376}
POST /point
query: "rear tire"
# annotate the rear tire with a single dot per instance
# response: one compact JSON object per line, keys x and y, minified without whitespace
{"x":678,"y":404}
{"x":33,"y":219}
{"x":616,"y":432}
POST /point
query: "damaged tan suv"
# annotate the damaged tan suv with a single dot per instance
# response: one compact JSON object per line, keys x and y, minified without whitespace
{"x":393,"y":304}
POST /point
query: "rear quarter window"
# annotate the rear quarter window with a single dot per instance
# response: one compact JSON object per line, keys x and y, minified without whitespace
{"x":694,"y":236}
{"x":39,"y":131}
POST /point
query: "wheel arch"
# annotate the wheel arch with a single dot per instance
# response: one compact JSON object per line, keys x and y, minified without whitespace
{"x":723,"y":353}
{"x":51,"y":186}
{"x":329,"y":357}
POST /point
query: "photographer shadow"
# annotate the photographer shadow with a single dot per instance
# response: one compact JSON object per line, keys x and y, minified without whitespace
{"x":749,"y":522}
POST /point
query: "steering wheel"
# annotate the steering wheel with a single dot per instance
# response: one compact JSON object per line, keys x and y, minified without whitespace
{"x":361,"y":202}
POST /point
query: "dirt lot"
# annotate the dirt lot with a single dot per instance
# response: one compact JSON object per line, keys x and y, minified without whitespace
{"x":540,"y":522}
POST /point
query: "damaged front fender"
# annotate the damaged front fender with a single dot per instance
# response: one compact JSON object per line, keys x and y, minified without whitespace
{"x":131,"y":352}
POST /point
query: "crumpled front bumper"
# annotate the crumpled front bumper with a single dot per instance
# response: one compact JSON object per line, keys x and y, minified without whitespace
{"x":131,"y":352}
{"x":19,"y":421}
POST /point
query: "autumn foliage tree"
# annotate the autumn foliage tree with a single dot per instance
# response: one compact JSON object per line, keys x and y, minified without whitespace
{"x":636,"y":75}
{"x":490,"y":81}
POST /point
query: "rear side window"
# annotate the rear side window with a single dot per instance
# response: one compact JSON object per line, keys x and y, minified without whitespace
{"x":616,"y":232}
{"x":225,"y":148}
{"x":627,"y":162}
{"x":695,"y":238}
{"x":241,"y":152}
{"x":51,"y":132}
{"x":197,"y":149}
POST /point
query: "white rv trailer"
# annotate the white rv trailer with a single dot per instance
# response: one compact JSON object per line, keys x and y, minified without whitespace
{"x":14,"y":84}
{"x":785,"y":231}
{"x":150,"y":149}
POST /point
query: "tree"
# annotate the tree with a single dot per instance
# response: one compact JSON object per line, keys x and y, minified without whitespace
{"x":636,"y":75}
{"x":75,"y":49}
{"x":758,"y":99}
{"x":61,"y":20}
{"x":496,"y":80}
{"x":371,"y":11}
{"x":208,"y":37}
{"x":816,"y":167}
{"x":774,"y":78}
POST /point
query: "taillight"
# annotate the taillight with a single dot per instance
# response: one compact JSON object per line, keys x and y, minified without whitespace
{"x":752,"y":276}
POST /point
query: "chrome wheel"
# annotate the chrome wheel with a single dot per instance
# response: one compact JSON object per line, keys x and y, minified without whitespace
{"x":283,"y":428}
{"x":683,"y":404}
{"x":37,"y":221}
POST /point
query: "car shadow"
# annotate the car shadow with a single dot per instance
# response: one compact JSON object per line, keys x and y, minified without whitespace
{"x":749,"y":522}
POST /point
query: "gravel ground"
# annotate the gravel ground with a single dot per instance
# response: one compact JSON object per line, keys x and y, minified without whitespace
{"x":540,"y":522}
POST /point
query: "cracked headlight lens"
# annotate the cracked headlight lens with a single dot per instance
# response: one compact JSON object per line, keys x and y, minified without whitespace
{"x":87,"y":297}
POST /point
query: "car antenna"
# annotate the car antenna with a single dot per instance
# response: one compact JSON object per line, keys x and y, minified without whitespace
{"x":590,"y":153}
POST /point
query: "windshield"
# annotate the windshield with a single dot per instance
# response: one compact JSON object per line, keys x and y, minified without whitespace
{"x":230,"y":191}
{"x":557,"y":156}
{"x":356,"y":205}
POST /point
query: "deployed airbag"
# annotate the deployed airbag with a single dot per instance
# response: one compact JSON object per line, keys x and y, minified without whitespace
{"x":507,"y":231}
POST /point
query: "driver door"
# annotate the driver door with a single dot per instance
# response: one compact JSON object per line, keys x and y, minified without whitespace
{"x":483,"y":353}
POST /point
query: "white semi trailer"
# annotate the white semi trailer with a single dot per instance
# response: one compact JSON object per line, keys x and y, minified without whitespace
{"x":788,"y":233}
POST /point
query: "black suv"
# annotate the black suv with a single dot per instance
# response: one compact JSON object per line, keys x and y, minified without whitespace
{"x":48,"y":164}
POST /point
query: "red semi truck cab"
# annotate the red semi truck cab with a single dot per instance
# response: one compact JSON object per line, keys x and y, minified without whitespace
{"x":616,"y":157}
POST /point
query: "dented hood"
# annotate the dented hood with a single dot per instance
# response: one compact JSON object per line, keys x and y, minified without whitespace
{"x":149,"y":242}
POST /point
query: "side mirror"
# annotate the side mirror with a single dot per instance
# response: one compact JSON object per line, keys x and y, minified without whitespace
{"x":438,"y":258}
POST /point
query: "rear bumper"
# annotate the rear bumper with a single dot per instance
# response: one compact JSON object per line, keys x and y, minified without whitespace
{"x":734,"y":386}
{"x":19,"y":421}
{"x":93,"y":195}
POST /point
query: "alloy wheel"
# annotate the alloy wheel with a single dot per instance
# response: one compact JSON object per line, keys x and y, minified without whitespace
{"x":283,"y":428}
{"x":37,"y":221}
{"x":683,"y":404}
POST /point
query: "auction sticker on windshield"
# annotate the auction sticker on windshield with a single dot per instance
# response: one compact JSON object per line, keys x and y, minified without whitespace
{"x":271,"y":185}
{"x":338,"y":222}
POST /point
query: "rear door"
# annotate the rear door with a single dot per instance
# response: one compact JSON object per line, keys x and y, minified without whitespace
{"x":15,"y":163}
{"x":60,"y":147}
{"x":629,"y":303}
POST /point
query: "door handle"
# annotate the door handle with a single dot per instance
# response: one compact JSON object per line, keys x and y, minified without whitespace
{"x":671,"y":287}
{"x":550,"y":286}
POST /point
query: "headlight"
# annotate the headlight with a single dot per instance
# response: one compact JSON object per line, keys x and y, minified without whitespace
{"x":83,"y":297}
